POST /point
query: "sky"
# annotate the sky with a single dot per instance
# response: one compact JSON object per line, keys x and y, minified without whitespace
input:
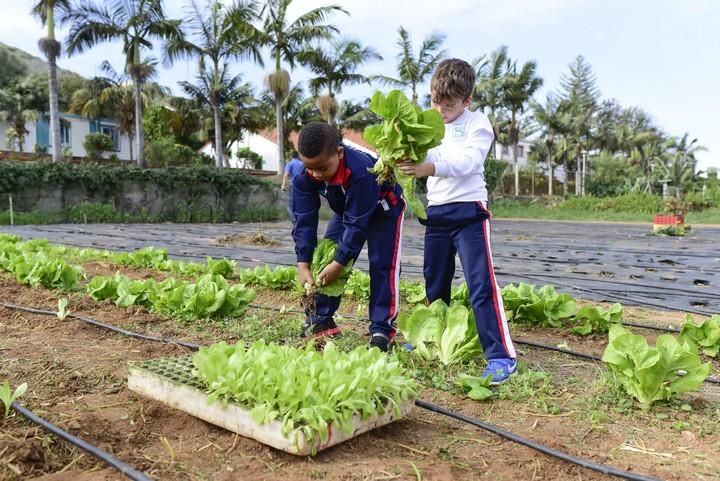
{"x":659,"y":55}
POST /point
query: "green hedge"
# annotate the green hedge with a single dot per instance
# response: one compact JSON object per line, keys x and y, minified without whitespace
{"x":16,"y":177}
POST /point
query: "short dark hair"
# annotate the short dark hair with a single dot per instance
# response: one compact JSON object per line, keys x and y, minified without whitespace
{"x":453,"y":79}
{"x":318,"y":138}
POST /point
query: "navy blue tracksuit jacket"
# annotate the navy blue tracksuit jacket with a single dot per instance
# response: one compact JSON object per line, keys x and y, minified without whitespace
{"x":363,"y":212}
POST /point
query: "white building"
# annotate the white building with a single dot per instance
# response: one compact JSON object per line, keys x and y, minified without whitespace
{"x":73,"y":129}
{"x":504,"y":152}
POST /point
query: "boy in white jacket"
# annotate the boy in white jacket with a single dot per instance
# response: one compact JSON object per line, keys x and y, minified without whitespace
{"x":457,"y":215}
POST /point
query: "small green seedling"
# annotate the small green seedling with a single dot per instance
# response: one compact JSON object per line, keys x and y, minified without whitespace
{"x":8,"y":397}
{"x":477,"y":388}
{"x":62,"y":311}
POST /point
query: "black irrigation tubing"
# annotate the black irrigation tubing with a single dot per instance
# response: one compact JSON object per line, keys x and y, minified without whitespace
{"x":138,"y":476}
{"x":601,"y":468}
{"x":103,"y":325}
{"x":94,"y":451}
{"x":590,"y":357}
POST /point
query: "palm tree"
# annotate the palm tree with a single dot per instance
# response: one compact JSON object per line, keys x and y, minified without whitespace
{"x":217,"y":90}
{"x":679,"y":164}
{"x":518,"y":88}
{"x":135,"y":23}
{"x":45,"y":10}
{"x":336,"y":68}
{"x":113,"y":96}
{"x":299,"y":110}
{"x":414,"y":70}
{"x":286,"y":40}
{"x":553,"y":120}
{"x":220,"y":33}
{"x":488,"y":92}
{"x":356,"y":116}
{"x":21,"y":103}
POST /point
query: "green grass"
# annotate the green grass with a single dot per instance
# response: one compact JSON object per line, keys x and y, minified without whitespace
{"x":105,"y":213}
{"x":520,"y":211}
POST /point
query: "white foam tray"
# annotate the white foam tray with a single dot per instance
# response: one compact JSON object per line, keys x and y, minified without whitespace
{"x":237,"y":419}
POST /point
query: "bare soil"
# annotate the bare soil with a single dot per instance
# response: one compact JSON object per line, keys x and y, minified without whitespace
{"x":77,"y":379}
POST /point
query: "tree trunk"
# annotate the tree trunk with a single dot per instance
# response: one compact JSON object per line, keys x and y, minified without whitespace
{"x":516,"y":168}
{"x":550,"y":175}
{"x":140,"y":137}
{"x":55,"y":135}
{"x":280,"y":136}
{"x":565,"y":178}
{"x":218,"y":139}
{"x":577,"y":175}
{"x":532,"y":181}
{"x":131,"y":138}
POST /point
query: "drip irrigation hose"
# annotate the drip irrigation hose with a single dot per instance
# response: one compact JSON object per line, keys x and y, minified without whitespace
{"x":138,"y":476}
{"x":103,"y":325}
{"x":601,"y":468}
{"x":94,"y":451}
{"x":590,"y":357}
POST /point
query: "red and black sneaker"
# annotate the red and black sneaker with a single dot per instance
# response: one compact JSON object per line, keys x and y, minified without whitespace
{"x":320,"y":329}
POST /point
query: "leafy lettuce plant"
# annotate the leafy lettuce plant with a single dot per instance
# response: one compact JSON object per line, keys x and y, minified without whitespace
{"x":323,"y":255}
{"x":705,"y":336}
{"x":460,"y":295}
{"x":437,"y":331}
{"x":656,"y":373}
{"x":595,"y":319}
{"x":148,"y":257}
{"x":210,"y":296}
{"x":544,"y":308}
{"x":278,"y":278}
{"x":407,"y":132}
{"x":358,"y":285}
{"x":475,"y":387}
{"x":413,"y":292}
{"x":39,"y":269}
{"x":303,"y":388}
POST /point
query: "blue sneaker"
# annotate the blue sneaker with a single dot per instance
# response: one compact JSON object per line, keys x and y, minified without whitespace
{"x":499,"y":370}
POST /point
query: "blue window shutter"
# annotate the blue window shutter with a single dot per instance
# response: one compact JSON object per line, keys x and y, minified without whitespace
{"x":94,"y":126}
{"x":42,"y":131}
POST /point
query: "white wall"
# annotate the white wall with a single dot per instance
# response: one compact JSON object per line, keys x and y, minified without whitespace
{"x":79,"y":128}
{"x":255,"y":142}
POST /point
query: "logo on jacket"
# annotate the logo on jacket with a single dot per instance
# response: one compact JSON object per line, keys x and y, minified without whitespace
{"x":458,"y":131}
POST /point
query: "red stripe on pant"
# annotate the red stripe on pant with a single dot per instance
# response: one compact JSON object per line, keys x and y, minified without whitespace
{"x":500,"y":314}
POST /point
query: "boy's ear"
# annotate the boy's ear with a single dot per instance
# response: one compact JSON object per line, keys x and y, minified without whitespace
{"x":466,"y":102}
{"x":340,"y":152}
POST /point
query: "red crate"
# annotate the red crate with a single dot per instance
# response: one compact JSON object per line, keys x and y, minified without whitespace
{"x":669,"y":219}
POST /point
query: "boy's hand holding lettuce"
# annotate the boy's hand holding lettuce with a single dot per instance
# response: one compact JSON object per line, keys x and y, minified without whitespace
{"x":407,"y":133}
{"x":323,"y":256}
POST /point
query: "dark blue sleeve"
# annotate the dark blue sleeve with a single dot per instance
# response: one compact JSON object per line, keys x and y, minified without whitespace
{"x":306,"y":205}
{"x":361,"y":199}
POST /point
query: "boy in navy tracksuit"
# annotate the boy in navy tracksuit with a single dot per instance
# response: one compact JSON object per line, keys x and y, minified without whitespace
{"x":364,"y":211}
{"x":457,"y":215}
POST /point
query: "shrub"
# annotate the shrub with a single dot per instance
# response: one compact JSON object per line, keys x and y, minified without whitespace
{"x":248,"y":159}
{"x":96,"y":144}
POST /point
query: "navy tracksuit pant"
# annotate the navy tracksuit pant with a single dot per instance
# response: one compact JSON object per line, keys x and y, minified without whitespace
{"x":464,"y":228}
{"x":384,"y":237}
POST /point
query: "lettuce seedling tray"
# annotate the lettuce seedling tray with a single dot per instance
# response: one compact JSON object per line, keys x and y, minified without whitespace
{"x":170,"y":381}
